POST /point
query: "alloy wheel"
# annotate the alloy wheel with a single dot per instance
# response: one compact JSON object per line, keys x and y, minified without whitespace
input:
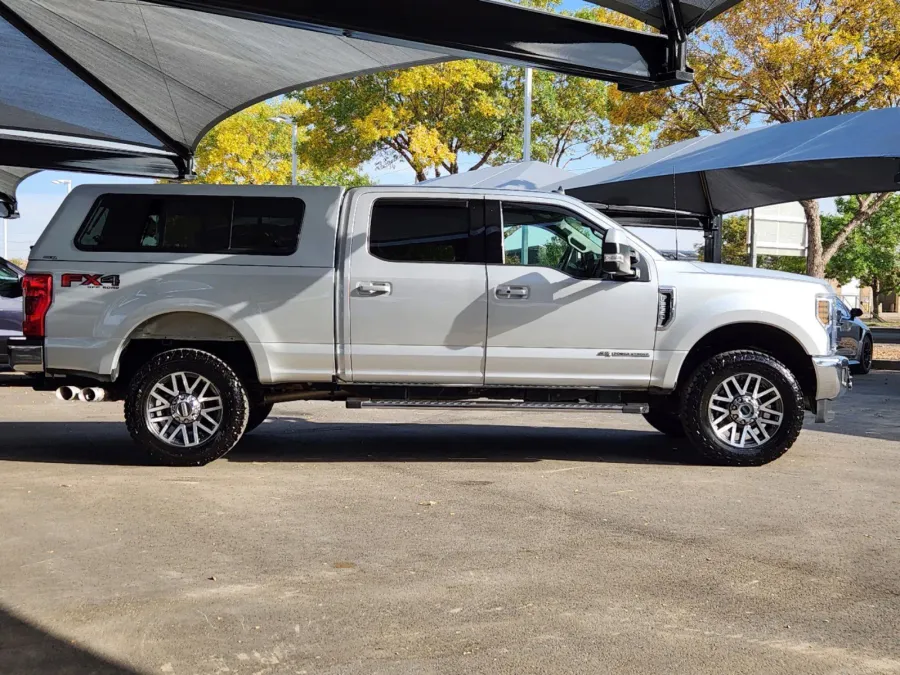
{"x":184,"y":410}
{"x":745,"y":410}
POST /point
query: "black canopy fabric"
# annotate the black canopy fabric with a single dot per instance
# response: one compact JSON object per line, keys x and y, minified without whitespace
{"x":156,"y":76}
{"x":733,"y":171}
{"x":694,"y":13}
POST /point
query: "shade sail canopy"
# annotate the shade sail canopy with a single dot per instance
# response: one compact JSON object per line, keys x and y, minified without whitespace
{"x":728,"y":172}
{"x":521,"y":175}
{"x":10,"y":177}
{"x":690,"y":13}
{"x":132,"y":86}
{"x":155,"y":77}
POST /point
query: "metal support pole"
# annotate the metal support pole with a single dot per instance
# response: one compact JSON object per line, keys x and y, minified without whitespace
{"x":523,"y":255}
{"x":294,"y":154}
{"x":5,"y":240}
{"x":526,"y":145}
{"x":752,"y":237}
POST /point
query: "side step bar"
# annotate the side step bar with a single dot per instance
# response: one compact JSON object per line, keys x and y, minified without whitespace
{"x":633,"y":408}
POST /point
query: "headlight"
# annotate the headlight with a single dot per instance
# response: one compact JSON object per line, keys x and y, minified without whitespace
{"x":826,"y":312}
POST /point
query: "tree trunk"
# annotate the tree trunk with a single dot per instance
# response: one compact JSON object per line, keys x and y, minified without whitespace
{"x":876,"y":306}
{"x":815,"y":261}
{"x":421,"y":176}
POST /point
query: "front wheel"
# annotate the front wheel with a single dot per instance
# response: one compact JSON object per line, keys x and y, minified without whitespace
{"x":742,"y":408}
{"x":865,"y":358}
{"x":186,"y":407}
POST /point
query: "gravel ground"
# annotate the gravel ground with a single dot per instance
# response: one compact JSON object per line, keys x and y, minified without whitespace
{"x":410,"y":542}
{"x":887,"y":352}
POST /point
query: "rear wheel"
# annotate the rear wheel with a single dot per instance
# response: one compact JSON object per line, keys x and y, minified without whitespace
{"x":742,"y":408}
{"x":865,"y":358}
{"x":666,"y":421}
{"x":186,"y":407}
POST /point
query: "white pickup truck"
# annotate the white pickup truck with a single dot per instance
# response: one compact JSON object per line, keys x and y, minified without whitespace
{"x":202,"y":306}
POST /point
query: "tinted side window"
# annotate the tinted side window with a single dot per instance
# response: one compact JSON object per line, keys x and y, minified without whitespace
{"x":420,"y":230}
{"x":116,"y":223}
{"x":193,"y":224}
{"x":7,"y":273}
{"x":190,"y":225}
{"x":545,"y":236}
{"x":266,"y":226}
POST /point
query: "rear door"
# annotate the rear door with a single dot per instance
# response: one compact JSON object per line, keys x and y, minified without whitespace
{"x":414,"y":290}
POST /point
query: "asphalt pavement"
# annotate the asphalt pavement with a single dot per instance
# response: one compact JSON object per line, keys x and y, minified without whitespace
{"x":337,"y":541}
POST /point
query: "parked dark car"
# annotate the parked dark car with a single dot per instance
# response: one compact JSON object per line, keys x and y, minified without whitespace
{"x":855,"y":339}
{"x":10,"y":304}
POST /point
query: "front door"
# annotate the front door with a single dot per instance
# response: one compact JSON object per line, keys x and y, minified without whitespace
{"x":415,"y":290}
{"x":551,"y":319}
{"x":849,"y":333}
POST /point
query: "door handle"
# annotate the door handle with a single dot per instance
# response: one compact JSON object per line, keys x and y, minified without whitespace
{"x":371,"y":289}
{"x":512,"y":292}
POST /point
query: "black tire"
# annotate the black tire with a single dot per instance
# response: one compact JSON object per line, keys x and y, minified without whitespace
{"x":704,"y":382}
{"x":865,"y":363}
{"x":234,"y":413}
{"x":666,"y":422}
{"x":258,"y":415}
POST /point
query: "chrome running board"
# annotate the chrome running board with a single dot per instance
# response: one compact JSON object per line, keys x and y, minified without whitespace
{"x":632,"y":408}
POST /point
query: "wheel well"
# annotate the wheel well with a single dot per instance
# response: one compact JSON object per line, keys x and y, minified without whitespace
{"x":186,"y":330}
{"x":760,"y":337}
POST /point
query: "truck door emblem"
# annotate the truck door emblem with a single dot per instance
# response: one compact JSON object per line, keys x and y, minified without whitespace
{"x":623,"y":355}
{"x":90,"y":280}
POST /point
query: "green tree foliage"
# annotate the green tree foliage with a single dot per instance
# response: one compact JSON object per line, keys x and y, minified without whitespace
{"x":872,"y":251}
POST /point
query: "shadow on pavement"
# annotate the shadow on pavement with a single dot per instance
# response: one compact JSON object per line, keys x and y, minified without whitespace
{"x":296,"y":440}
{"x":292,"y":439}
{"x":28,"y":650}
{"x":870,"y":410}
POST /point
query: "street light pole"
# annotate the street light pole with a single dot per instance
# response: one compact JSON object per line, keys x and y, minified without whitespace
{"x":294,"y":153}
{"x":284,"y":119}
{"x":66,"y":182}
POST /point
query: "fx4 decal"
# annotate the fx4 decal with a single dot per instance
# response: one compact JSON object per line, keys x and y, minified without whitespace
{"x":90,"y":280}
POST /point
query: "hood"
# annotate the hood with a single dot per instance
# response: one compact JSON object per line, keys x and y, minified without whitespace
{"x":736,"y":271}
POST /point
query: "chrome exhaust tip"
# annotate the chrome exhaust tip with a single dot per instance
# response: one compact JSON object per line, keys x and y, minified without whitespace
{"x":92,"y":394}
{"x":67,"y":393}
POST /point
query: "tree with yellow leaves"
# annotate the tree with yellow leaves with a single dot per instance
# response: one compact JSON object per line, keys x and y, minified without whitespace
{"x":425,"y":116}
{"x":783,"y":61}
{"x":430,"y":115}
{"x":249,"y":148}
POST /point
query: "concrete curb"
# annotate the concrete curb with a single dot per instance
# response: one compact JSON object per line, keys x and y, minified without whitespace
{"x":885,"y":365}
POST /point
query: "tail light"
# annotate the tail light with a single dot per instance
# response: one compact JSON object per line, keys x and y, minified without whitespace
{"x":37,"y":293}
